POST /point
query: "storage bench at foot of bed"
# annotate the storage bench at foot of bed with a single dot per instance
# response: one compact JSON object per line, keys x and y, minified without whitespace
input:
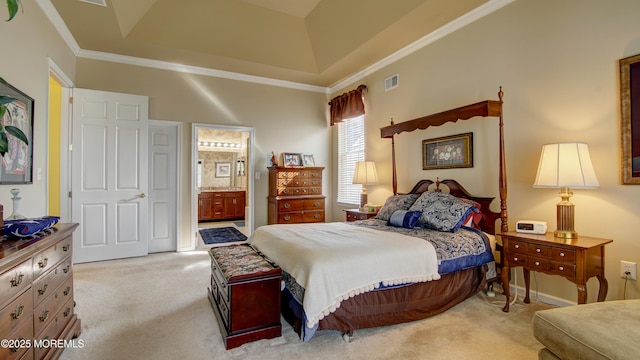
{"x":244,"y":294}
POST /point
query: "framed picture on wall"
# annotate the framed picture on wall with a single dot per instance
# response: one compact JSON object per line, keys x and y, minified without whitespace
{"x":223,"y":169}
{"x":630,"y":115}
{"x":455,"y":151}
{"x":16,"y":112}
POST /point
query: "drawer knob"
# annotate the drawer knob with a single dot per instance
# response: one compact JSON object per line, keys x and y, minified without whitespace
{"x":317,"y":216}
{"x":67,"y":290}
{"x":43,"y":263}
{"x":287,"y":205}
{"x":561,"y":268}
{"x":285,"y":191}
{"x":561,"y":254}
{"x":316,"y":204}
{"x":17,"y":280}
{"x":15,"y":315}
{"x":44,"y":316}
{"x":287,"y":217}
{"x":538,"y":250}
{"x":66,"y":247}
{"x":66,"y":312}
{"x":537,"y":263}
{"x":515,"y":259}
{"x":516,"y":246}
{"x":315,"y":191}
{"x":66,"y":268}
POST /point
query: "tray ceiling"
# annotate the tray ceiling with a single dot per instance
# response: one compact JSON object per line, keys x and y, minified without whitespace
{"x":315,"y":42}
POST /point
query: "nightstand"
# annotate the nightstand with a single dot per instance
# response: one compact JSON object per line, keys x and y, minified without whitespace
{"x":356,"y":214}
{"x":575,"y":259}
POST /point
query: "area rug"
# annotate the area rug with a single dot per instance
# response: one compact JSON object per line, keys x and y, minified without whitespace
{"x":221,"y":235}
{"x":239,"y":223}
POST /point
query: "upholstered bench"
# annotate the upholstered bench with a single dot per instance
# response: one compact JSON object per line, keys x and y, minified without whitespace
{"x":603,"y":330}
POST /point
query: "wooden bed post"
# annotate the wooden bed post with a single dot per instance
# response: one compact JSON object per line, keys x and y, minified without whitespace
{"x":393,"y":161}
{"x":504,"y":216}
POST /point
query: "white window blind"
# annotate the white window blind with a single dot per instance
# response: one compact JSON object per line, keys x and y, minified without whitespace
{"x":350,"y":151}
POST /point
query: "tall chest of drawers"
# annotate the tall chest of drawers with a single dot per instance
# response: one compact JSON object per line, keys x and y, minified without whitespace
{"x":36,"y":295}
{"x":295,"y":195}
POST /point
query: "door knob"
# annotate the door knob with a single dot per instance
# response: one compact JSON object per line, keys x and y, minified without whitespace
{"x":141,"y":196}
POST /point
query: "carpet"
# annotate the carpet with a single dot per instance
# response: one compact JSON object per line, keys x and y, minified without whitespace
{"x":162,"y":312}
{"x":221,"y":235}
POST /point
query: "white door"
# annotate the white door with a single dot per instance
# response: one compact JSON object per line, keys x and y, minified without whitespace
{"x":163,"y":171}
{"x":109,"y":175}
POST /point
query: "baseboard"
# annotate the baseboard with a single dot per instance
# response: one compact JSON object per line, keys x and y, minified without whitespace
{"x":542,"y":297}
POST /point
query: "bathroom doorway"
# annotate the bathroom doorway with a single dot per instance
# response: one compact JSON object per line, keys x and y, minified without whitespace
{"x":222,"y":181}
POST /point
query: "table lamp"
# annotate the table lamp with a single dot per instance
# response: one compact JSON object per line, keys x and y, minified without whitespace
{"x":565,"y":166}
{"x":365,"y":174}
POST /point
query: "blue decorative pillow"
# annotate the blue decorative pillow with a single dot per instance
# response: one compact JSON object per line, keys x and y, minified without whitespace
{"x":28,"y":227}
{"x":404,"y":218}
{"x":396,"y":202}
{"x":442,"y":211}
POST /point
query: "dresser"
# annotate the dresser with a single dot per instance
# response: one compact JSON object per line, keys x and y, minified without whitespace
{"x":577,"y":260}
{"x":295,"y":195}
{"x":244,"y":294}
{"x":36,"y":295}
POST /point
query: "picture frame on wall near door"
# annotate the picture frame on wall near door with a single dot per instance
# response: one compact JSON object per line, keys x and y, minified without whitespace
{"x":16,"y":110}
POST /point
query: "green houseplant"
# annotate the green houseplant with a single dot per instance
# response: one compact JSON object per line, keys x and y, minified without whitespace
{"x":13,"y":6}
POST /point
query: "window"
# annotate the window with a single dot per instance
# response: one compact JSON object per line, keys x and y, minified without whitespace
{"x":350,"y":151}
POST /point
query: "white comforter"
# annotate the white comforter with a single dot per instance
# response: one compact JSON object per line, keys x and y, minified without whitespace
{"x":336,"y":261}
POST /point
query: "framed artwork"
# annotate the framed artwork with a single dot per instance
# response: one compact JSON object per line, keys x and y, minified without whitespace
{"x":630,"y":117}
{"x":17,"y":111}
{"x":292,"y":159}
{"x":308,"y":160}
{"x":223,"y":169}
{"x":455,"y":151}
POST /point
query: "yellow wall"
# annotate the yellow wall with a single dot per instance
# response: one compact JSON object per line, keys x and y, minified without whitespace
{"x":53,"y":168}
{"x":558,"y":64}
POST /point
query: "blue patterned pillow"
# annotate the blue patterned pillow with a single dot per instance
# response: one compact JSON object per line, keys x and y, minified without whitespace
{"x":28,"y":227}
{"x":394,"y":203}
{"x":442,"y":211}
{"x":404,"y":218}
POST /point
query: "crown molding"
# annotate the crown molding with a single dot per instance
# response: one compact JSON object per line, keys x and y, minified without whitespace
{"x":449,"y":28}
{"x":466,"y":19}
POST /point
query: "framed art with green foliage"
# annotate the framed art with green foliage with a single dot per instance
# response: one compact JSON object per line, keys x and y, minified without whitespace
{"x":16,"y":135}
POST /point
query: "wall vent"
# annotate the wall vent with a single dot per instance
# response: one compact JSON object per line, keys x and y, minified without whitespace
{"x":96,"y":2}
{"x":391,"y":82}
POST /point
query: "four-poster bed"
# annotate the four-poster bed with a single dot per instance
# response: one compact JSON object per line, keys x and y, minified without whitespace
{"x":460,"y":274}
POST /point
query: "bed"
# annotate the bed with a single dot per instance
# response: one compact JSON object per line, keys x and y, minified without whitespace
{"x":326,"y":266}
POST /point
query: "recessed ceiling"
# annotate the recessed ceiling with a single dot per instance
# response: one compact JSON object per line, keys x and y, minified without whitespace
{"x":315,"y":42}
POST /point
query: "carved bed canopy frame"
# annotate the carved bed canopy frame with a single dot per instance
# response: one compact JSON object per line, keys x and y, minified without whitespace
{"x":485,"y":108}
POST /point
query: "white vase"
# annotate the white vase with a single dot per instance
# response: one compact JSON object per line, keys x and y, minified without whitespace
{"x":16,"y":215}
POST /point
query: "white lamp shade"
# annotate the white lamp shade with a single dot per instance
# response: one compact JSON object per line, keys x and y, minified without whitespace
{"x":365,"y":173}
{"x":566,"y":165}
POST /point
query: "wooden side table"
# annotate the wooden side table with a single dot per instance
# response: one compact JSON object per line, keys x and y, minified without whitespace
{"x":356,"y":214}
{"x":575,"y":259}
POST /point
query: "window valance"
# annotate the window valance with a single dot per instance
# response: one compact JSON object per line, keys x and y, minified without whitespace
{"x":347,"y":105}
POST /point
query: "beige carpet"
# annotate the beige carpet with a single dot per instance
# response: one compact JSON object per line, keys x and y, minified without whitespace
{"x":156,"y":307}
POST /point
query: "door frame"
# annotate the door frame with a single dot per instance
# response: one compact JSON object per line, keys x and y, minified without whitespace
{"x":194,"y":172}
{"x":65,"y":140}
{"x":178,"y":179}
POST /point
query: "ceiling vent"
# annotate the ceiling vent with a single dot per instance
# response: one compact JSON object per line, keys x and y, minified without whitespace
{"x":96,"y":2}
{"x":391,"y":82}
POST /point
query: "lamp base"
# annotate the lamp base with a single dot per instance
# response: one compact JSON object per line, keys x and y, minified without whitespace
{"x":565,"y":215}
{"x":363,"y":200}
